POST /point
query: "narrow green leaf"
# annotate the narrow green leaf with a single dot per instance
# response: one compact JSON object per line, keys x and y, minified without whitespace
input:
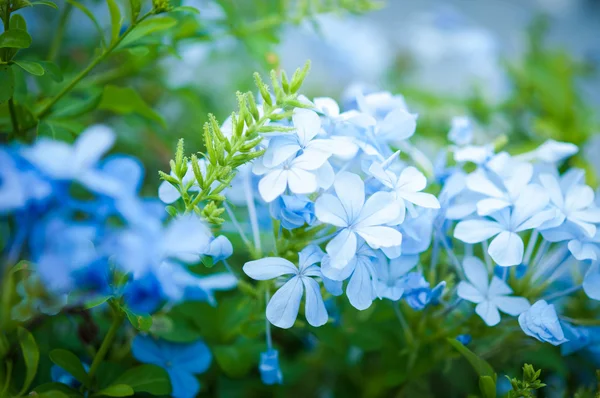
{"x":69,"y":362}
{"x":150,"y":379}
{"x":480,"y":365}
{"x":15,"y":38}
{"x":135,"y":7}
{"x":53,"y":394}
{"x":124,"y":101}
{"x":191,"y":9}
{"x":7,"y":82}
{"x":115,"y":20}
{"x":18,"y":22}
{"x":52,"y":70}
{"x":139,"y":51}
{"x":92,"y":18}
{"x":31,"y":355}
{"x":31,"y":67}
{"x":45,"y":3}
{"x":77,"y":107}
{"x":146,"y":28}
{"x":96,"y":302}
{"x":116,"y":390}
{"x":60,"y":387}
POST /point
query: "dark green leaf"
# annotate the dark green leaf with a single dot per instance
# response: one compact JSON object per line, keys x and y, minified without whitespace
{"x":91,"y":16}
{"x":142,"y":322}
{"x":52,"y":70}
{"x":116,"y":390}
{"x":7,"y":82}
{"x":96,"y":302}
{"x":146,"y":28}
{"x":69,"y":362}
{"x":45,"y":3}
{"x":115,"y":20}
{"x":239,"y":359}
{"x":480,"y":365}
{"x":53,"y":394}
{"x":147,"y":378}
{"x":15,"y":38}
{"x":18,"y":22}
{"x":31,"y":354}
{"x":31,"y":67}
{"x":124,"y":100}
{"x":135,"y":6}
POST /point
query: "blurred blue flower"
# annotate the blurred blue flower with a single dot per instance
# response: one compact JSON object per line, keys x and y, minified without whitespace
{"x":464,"y":339}
{"x":59,"y":375}
{"x":181,"y":361}
{"x":390,"y":283}
{"x":283,"y":307}
{"x":541,"y":322}
{"x":591,"y":281}
{"x":418,"y":293}
{"x":270,"y":372}
{"x":489,"y":296}
{"x":219,"y":249}
{"x":461,"y":132}
{"x":293,"y":211}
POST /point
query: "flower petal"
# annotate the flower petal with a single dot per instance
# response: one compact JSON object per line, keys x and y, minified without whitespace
{"x":314,"y":307}
{"x":511,"y":305}
{"x":273,"y":184}
{"x":360,"y":287}
{"x":329,"y":210}
{"x":488,"y":312}
{"x":468,"y":292}
{"x":342,"y":248}
{"x":350,"y":189}
{"x":378,"y":237}
{"x":507,"y":249}
{"x":475,"y":231}
{"x":301,"y":181}
{"x":269,"y":268}
{"x":477,"y":273}
{"x":283,"y":307}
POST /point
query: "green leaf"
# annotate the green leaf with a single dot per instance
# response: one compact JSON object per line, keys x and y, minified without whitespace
{"x":139,"y":51}
{"x":237,"y":360}
{"x":15,"y":38}
{"x":77,"y":107}
{"x":53,"y":394}
{"x":45,"y":3}
{"x":150,"y":379}
{"x":91,"y":16}
{"x":69,"y":362}
{"x":191,"y":9}
{"x":52,"y":70}
{"x":142,"y":322}
{"x":31,"y":354}
{"x":116,"y":390}
{"x":124,"y":101}
{"x":60,"y":387}
{"x":7,"y":82}
{"x":480,"y":365}
{"x":146,"y":28}
{"x":487,"y":386}
{"x":115,"y":20}
{"x":18,"y":22}
{"x":31,"y":67}
{"x":135,"y":7}
{"x":96,"y":302}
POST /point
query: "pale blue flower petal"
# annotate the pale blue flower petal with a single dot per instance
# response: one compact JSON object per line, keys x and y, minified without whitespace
{"x":283,"y":307}
{"x":511,"y":305}
{"x":314,"y":307}
{"x":468,"y":292}
{"x":477,"y":273}
{"x":476,"y":231}
{"x":350,"y":190}
{"x":506,"y":249}
{"x":591,"y":282}
{"x":488,"y":312}
{"x":342,"y":248}
{"x":329,"y":210}
{"x":360,"y":287}
{"x":269,"y":268}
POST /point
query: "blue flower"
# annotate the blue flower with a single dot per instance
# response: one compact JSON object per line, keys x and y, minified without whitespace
{"x":220,"y":248}
{"x":181,"y":361}
{"x":591,"y":282}
{"x":464,"y":339}
{"x":418,"y":293}
{"x":59,"y":375}
{"x":390,"y":283}
{"x":293,"y":211}
{"x":283,"y":307}
{"x":270,"y":372}
{"x":489,"y":296}
{"x":461,"y":132}
{"x":541,"y":322}
{"x":354,"y":216}
{"x":507,"y":247}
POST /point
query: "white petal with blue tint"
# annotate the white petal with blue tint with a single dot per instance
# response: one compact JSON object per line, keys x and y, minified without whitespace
{"x":314,"y":307}
{"x":283,"y":307}
{"x":506,"y":249}
{"x":269,"y":268}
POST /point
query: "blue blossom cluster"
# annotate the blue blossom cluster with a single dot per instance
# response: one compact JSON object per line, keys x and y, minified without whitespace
{"x":355,"y":183}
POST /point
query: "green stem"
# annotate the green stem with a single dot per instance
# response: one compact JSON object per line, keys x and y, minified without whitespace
{"x":410,"y":339}
{"x":60,"y":31}
{"x":48,"y":107}
{"x":13,"y":117}
{"x":118,"y":317}
{"x":9,"y":367}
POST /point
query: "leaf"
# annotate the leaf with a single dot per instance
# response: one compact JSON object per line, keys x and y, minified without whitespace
{"x":53,"y":394}
{"x":96,"y":302}
{"x":18,"y":22}
{"x":31,"y":67}
{"x":77,"y":107}
{"x":91,"y":16}
{"x":15,"y":38}
{"x":480,"y":365}
{"x":124,"y":101}
{"x":52,"y":70}
{"x":60,"y":387}
{"x":45,"y":3}
{"x":146,"y":28}
{"x":237,"y":360}
{"x":69,"y":362}
{"x":139,"y":51}
{"x":7,"y":82}
{"x":191,"y":9}
{"x":135,"y":7}
{"x":31,"y":355}
{"x":150,"y":379}
{"x":142,"y":322}
{"x":115,"y":20}
{"x":116,"y":390}
{"x":487,"y":386}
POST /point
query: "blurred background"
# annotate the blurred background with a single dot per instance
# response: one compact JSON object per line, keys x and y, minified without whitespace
{"x":524,"y":69}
